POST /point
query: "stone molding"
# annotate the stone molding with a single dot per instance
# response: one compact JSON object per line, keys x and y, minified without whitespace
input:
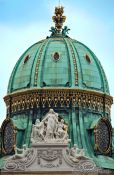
{"x":49,"y":157}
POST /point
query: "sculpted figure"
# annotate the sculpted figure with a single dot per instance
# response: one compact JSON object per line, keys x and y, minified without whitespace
{"x":61,"y":132}
{"x":51,"y":121}
{"x":61,"y":126}
{"x":75,"y":154}
{"x":37,"y":131}
{"x":65,"y":31}
{"x":53,"y":31}
{"x":24,"y":152}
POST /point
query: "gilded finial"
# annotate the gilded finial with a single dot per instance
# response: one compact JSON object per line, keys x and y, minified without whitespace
{"x":59,"y":19}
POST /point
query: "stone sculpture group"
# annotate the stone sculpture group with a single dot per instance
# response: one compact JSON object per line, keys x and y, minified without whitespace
{"x":50,"y":129}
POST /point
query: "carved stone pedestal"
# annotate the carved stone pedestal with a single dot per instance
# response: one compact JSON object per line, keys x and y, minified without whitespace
{"x":48,"y":158}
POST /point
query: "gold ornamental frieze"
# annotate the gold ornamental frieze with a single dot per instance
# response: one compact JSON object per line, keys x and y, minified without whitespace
{"x":35,"y":98}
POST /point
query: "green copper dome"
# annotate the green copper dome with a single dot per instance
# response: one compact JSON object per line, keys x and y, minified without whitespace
{"x":58,"y":61}
{"x":63,"y":75}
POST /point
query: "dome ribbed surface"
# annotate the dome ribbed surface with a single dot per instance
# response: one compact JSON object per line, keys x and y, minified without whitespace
{"x":58,"y":62}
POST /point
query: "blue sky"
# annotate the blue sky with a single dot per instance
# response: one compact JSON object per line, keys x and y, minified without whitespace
{"x":23,"y":23}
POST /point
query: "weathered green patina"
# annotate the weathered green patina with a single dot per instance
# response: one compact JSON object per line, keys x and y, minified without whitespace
{"x":77,"y":67}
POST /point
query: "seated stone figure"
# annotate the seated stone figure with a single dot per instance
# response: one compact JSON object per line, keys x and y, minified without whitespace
{"x":23,"y":153}
{"x":37,"y":131}
{"x":61,"y":132}
{"x":75,"y":154}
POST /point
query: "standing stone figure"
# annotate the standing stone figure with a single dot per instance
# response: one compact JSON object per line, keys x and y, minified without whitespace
{"x":51,"y":124}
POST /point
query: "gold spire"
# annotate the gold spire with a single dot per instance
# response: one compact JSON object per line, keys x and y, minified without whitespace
{"x":59,"y":19}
